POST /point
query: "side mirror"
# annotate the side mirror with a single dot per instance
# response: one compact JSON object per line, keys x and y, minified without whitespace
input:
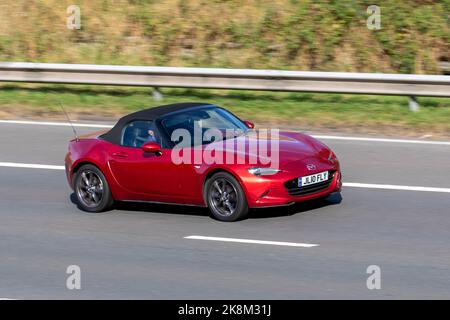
{"x":151,"y":147}
{"x":249,"y":124}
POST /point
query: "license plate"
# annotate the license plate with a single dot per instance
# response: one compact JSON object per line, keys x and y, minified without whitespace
{"x":312,"y":179}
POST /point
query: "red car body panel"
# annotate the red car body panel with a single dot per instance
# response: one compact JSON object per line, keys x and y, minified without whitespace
{"x":138,"y":176}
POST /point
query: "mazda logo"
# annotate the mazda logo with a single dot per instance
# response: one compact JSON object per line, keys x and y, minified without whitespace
{"x":310,"y":167}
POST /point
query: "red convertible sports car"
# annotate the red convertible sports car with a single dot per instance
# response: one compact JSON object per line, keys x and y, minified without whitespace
{"x":198,"y":154}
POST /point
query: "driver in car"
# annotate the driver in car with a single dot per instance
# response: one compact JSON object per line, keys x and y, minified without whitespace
{"x":151,"y":136}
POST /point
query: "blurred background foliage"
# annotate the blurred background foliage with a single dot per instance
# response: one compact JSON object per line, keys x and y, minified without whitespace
{"x":324,"y":35}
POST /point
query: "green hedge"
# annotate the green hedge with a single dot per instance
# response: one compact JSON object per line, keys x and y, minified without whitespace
{"x":328,"y":35}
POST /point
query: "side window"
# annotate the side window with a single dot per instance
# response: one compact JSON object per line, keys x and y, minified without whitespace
{"x":136,"y":133}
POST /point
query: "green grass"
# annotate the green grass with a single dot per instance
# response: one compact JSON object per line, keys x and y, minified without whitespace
{"x":342,"y":112}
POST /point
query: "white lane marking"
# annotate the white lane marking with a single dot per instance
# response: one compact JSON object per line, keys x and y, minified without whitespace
{"x":345,"y":184}
{"x":445,"y":143}
{"x":7,"y":299}
{"x":31,"y":166}
{"x":394,"y":187}
{"x":57,"y":124}
{"x":274,"y":243}
{"x":325,"y":137}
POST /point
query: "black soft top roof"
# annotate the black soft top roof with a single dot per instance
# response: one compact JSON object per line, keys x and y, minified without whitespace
{"x":114,"y":135}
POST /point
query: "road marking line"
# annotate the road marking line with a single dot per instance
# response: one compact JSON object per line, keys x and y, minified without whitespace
{"x":445,"y":143}
{"x":325,"y":137}
{"x":345,"y":184}
{"x":57,"y":124}
{"x":275,"y":243}
{"x":7,"y":299}
{"x":31,"y":166}
{"x":394,"y":187}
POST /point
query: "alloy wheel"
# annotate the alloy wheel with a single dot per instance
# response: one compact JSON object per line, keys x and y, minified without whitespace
{"x":223,"y":197}
{"x":90,"y":189}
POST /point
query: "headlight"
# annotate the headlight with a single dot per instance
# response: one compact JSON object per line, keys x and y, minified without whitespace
{"x":263,"y":171}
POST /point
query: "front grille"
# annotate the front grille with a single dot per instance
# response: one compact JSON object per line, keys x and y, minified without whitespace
{"x":294,"y":190}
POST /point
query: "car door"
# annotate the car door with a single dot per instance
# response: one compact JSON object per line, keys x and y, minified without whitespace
{"x":150,"y":176}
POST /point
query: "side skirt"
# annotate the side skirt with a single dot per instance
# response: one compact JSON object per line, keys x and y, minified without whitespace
{"x":164,"y":203}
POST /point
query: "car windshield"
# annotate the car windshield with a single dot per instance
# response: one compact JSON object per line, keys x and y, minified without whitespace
{"x":202,"y":121}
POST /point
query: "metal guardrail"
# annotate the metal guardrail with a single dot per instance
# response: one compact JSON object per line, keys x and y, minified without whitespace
{"x":212,"y":78}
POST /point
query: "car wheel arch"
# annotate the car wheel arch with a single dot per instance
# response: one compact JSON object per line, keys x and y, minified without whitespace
{"x":80,"y":164}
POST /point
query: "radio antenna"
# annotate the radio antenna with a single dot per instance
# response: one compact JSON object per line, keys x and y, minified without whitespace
{"x":70,"y":122}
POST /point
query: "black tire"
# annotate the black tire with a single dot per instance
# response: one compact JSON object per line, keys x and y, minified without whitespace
{"x":225,"y":197}
{"x":92,"y":190}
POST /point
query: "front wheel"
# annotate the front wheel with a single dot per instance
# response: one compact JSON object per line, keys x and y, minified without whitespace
{"x":92,"y":189}
{"x":225,"y":197}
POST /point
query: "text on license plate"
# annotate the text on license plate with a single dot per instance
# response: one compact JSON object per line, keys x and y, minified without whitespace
{"x":312,"y":179}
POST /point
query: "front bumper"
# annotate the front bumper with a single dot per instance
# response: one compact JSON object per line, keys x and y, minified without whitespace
{"x":274,"y":193}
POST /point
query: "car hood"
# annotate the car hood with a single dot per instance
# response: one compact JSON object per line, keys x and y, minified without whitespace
{"x":291,"y":146}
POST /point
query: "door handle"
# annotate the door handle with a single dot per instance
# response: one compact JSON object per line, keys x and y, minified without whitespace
{"x":120,"y":154}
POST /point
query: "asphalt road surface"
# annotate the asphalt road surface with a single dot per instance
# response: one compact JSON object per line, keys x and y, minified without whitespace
{"x":141,"y":251}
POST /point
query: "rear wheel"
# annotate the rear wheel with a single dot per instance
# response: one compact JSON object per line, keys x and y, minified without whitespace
{"x":92,"y":189}
{"x":225,"y":197}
